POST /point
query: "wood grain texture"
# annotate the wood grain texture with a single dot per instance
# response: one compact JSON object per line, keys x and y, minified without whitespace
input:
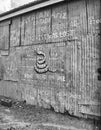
{"x":55,"y":55}
{"x":43,"y":26}
{"x":28,"y":29}
{"x":15,"y":32}
{"x":4,"y":37}
{"x":59,"y":23}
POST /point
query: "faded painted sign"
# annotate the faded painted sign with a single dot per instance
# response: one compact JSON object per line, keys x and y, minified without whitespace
{"x":43,"y":25}
{"x":28,"y":29}
{"x":46,"y":64}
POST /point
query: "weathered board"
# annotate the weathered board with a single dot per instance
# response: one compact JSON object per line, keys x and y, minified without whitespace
{"x":59,"y":23}
{"x":55,"y":57}
{"x":83,"y":55}
{"x":4,"y":37}
{"x":28,"y":29}
{"x":94,"y":18}
{"x":43,"y":63}
{"x":11,"y":65}
{"x":75,"y":52}
{"x":15,"y":32}
{"x":91,"y":45}
{"x":43,"y":25}
{"x":11,"y":89}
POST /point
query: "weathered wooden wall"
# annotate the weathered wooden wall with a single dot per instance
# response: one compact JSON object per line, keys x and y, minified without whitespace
{"x":50,"y":57}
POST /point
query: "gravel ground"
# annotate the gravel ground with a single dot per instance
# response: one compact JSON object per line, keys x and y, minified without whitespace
{"x":26,"y":117}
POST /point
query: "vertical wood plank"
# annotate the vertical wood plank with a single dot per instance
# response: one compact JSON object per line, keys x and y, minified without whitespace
{"x":28,"y":29}
{"x":43,"y":26}
{"x":4,"y":37}
{"x":15,"y":32}
{"x":59,"y":23}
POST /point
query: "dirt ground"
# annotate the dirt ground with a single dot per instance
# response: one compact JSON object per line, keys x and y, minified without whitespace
{"x":22,"y":116}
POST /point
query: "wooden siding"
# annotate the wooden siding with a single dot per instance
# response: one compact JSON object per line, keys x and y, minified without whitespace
{"x":28,"y":29}
{"x":54,"y":56}
{"x":15,"y":32}
{"x":4,"y":36}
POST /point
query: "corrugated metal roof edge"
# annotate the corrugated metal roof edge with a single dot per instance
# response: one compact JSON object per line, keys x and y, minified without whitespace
{"x":27,"y":8}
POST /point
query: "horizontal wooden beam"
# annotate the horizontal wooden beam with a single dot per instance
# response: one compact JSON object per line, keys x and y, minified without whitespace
{"x":28,"y":9}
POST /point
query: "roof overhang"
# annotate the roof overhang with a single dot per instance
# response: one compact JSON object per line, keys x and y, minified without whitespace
{"x":29,"y":9}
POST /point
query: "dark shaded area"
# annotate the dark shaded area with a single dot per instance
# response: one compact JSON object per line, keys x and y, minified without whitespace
{"x":6,"y":102}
